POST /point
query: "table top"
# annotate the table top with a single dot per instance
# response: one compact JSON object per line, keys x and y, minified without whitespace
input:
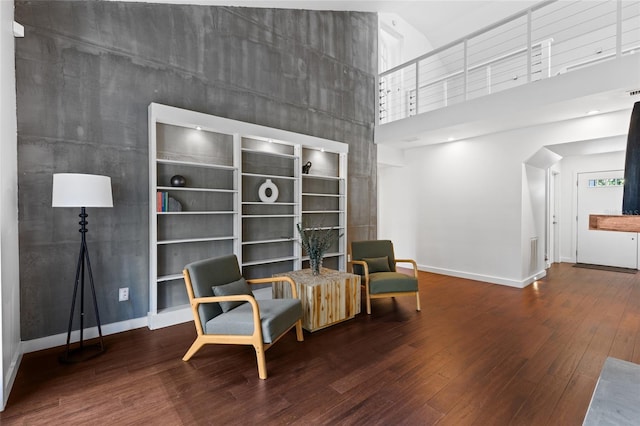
{"x":616,"y":399}
{"x":304,"y":276}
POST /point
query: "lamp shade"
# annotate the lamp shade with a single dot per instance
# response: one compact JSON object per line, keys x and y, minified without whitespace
{"x":80,"y":190}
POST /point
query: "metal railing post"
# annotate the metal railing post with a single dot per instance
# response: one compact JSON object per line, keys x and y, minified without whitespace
{"x":529,"y":50}
{"x":466,"y":70}
{"x":618,"y":28}
{"x":417,"y":86}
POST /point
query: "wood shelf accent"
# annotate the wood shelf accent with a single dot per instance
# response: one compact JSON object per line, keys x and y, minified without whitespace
{"x":620,"y":223}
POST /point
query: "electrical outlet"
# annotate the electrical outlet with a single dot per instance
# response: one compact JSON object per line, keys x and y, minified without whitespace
{"x":123,"y":294}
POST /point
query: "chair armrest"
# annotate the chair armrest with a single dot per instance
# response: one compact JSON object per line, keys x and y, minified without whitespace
{"x":257,"y":329}
{"x":364,"y":265}
{"x":413,"y":264}
{"x":294,"y":290}
{"x":197,"y":301}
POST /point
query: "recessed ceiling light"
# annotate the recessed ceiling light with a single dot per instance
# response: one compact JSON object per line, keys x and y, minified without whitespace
{"x":451,"y":138}
{"x":198,"y":128}
{"x":593,"y":112}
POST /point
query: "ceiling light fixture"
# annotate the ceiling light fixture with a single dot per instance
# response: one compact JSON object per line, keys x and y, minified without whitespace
{"x":198,"y":128}
{"x":593,"y":112}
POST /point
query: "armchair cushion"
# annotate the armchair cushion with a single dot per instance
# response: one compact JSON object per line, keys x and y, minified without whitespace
{"x":276,"y":316}
{"x":233,"y":288}
{"x":377,"y":264}
{"x":391,"y":282}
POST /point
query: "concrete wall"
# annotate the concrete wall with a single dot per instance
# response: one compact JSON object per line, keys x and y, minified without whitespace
{"x":86,"y":72}
{"x":9,"y":273}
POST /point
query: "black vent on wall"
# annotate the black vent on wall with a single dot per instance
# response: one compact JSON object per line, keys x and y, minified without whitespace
{"x":634,"y":92}
{"x":631,"y":195}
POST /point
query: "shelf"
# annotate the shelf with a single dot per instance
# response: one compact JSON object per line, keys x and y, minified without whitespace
{"x":195,"y":164}
{"x":314,"y":194}
{"x":258,"y":216}
{"x":198,"y":212}
{"x":266,"y":261}
{"x":273,"y":154}
{"x":260,"y":203}
{"x":224,"y":166}
{"x":322,"y":177}
{"x":196,"y":240}
{"x":323,"y":228}
{"x":269,"y":176}
{"x":277,"y":240}
{"x":336,"y":254}
{"x":186,"y":188}
{"x":172,"y":277}
{"x":322,"y":211}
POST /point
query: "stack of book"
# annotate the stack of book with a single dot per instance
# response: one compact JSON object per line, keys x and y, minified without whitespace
{"x":162,"y":201}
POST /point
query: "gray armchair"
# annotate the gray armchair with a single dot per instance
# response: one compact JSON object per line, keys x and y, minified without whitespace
{"x":375,"y":261}
{"x":225,"y":311}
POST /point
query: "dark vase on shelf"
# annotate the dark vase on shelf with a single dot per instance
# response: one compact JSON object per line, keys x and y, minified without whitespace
{"x":178,"y":180}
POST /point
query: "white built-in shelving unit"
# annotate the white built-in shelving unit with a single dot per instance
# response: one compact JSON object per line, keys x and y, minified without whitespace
{"x":225,"y":162}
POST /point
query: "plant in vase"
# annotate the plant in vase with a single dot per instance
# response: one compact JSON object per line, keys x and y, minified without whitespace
{"x":316,"y":241}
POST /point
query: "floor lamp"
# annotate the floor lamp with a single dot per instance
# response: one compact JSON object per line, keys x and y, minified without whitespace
{"x":81,"y":190}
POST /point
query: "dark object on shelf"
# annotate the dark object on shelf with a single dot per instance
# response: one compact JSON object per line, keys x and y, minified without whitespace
{"x":306,"y":168}
{"x":174,"y":205}
{"x":178,"y":180}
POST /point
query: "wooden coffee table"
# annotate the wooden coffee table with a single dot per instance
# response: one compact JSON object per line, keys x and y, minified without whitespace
{"x":327,"y":299}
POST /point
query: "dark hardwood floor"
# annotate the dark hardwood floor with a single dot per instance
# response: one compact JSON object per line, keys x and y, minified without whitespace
{"x":477,"y":354}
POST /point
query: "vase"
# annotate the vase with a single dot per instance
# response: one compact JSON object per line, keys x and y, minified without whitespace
{"x":316,"y":264}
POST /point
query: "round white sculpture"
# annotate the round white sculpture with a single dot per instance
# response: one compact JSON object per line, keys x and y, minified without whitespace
{"x":262,"y":192}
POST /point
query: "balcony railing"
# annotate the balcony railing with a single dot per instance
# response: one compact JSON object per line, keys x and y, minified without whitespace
{"x":546,"y":40}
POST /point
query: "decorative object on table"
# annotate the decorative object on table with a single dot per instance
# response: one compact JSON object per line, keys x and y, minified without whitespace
{"x":316,"y":241}
{"x":268,"y":192}
{"x":178,"y":181}
{"x":306,"y":168}
{"x":82,"y":190}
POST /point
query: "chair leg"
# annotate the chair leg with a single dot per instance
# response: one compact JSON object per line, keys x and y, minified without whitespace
{"x":417,"y":301}
{"x":195,"y":347}
{"x":262,"y":362}
{"x":299,"y":335}
{"x":368,"y":305}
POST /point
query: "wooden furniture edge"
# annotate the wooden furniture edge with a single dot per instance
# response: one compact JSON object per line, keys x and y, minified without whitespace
{"x":620,"y":223}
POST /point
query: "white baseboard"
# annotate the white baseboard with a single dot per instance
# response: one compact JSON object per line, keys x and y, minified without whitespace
{"x":89,"y":333}
{"x":10,"y":378}
{"x":170,"y":317}
{"x":485,"y":278}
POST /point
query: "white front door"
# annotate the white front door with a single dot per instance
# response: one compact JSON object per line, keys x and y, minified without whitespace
{"x":601,"y":193}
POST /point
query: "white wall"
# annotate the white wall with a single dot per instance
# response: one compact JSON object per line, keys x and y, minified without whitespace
{"x":469,"y":208}
{"x":412,"y":42}
{"x":9,"y":266}
{"x":533,"y":222}
{"x":569,"y":169}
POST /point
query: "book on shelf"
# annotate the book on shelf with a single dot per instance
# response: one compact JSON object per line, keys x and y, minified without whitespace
{"x":162,"y":201}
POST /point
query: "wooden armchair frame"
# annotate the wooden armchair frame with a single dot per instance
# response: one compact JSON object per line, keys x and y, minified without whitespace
{"x":370,"y":296}
{"x":255,"y":339}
